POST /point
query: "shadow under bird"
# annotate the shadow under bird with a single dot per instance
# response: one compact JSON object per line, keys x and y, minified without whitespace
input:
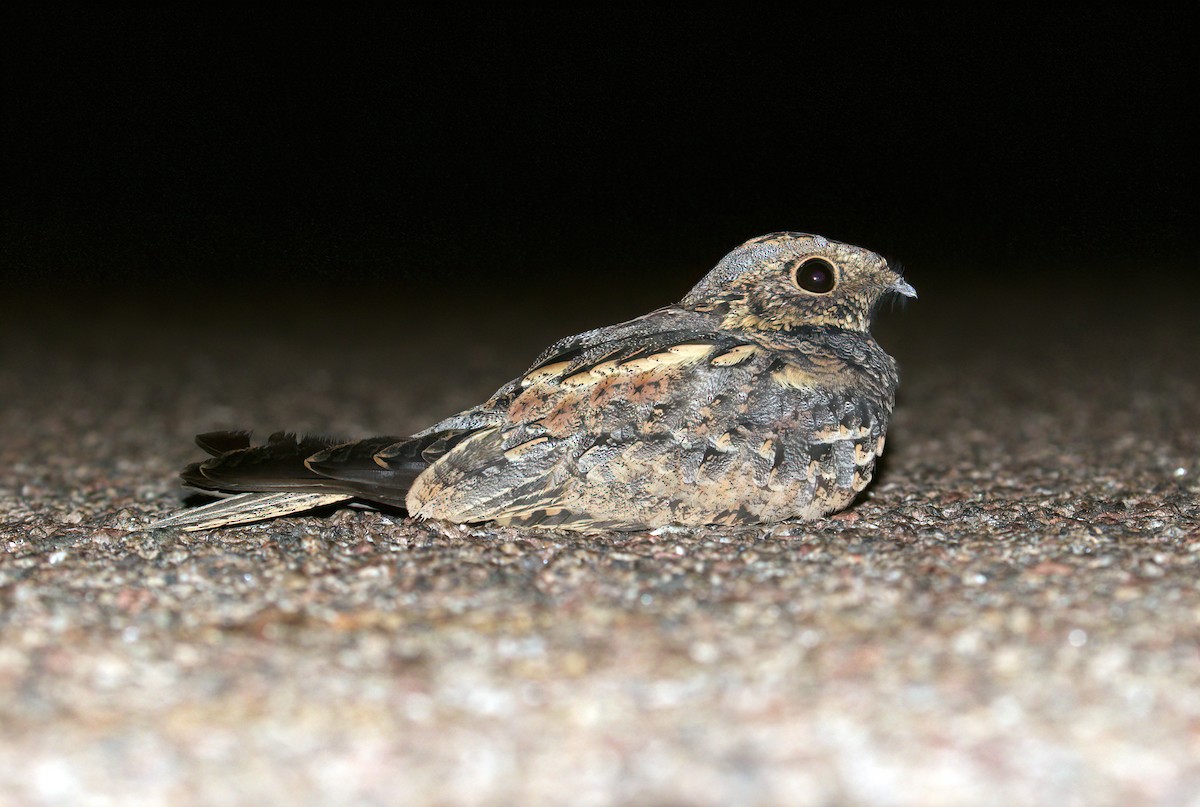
{"x":759,"y":397}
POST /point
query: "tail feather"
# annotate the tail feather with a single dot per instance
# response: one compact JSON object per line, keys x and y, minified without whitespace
{"x":247,"y":507}
{"x":355,"y":466}
{"x":237,"y":466}
{"x":291,"y":474}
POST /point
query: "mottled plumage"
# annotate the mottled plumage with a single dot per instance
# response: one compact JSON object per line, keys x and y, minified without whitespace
{"x":759,"y":397}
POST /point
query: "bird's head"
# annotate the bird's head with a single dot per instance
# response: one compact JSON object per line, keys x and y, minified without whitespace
{"x":783,"y":281}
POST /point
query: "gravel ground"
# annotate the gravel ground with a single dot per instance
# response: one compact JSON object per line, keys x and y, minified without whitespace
{"x":1010,"y":617}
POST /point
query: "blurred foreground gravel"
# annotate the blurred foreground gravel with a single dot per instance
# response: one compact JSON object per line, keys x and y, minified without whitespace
{"x":1011,"y":617}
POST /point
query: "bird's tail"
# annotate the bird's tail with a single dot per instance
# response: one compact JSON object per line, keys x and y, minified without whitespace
{"x":289,"y":474}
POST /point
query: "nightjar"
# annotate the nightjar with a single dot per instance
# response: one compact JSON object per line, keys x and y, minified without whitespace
{"x":759,"y":397}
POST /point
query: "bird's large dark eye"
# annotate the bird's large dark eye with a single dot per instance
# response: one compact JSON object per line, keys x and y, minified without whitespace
{"x":816,"y":275}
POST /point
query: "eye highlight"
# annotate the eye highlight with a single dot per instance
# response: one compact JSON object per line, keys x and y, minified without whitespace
{"x":815,"y":275}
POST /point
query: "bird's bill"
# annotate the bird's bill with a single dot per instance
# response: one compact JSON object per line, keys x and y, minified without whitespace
{"x":902,"y":287}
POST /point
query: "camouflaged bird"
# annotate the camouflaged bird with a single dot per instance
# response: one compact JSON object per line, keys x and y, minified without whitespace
{"x":759,"y":397}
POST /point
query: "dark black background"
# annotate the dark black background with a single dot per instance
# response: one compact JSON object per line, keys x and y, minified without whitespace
{"x":496,"y":154}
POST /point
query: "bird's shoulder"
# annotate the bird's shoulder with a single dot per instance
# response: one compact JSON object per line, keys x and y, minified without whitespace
{"x":665,"y":332}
